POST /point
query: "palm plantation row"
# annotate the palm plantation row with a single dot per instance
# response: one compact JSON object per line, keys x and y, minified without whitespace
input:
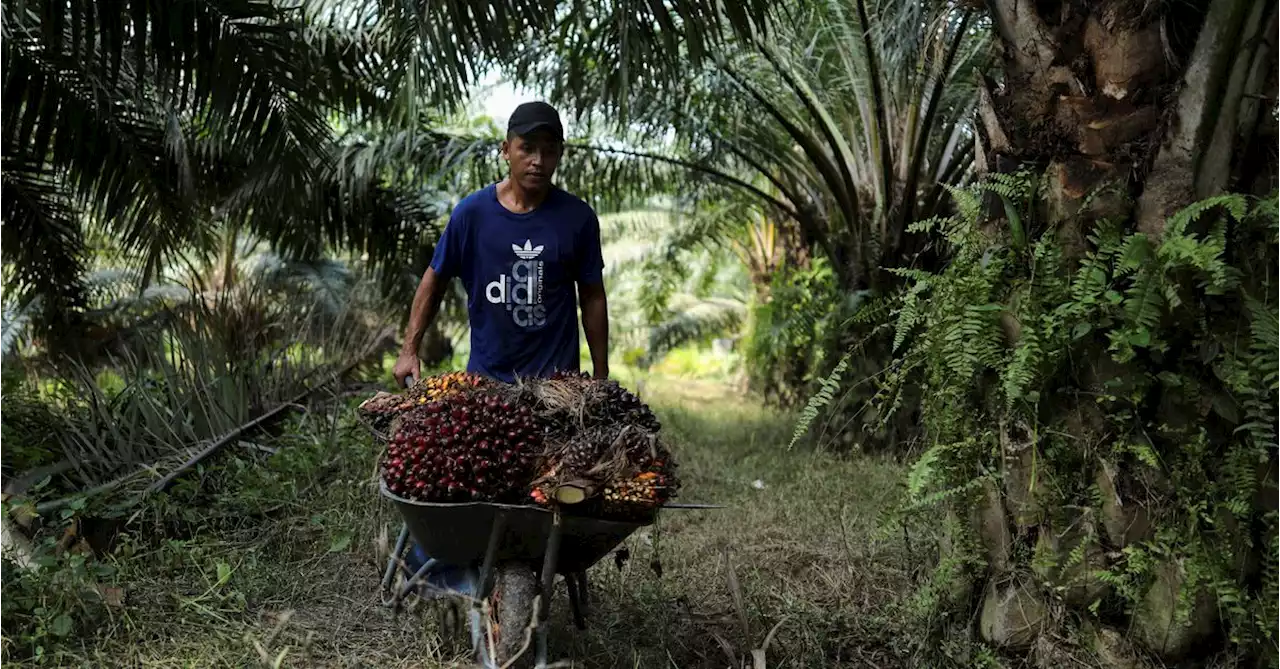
{"x":1026,"y":248}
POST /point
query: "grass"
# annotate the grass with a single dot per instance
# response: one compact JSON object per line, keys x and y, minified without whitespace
{"x":275,"y":561}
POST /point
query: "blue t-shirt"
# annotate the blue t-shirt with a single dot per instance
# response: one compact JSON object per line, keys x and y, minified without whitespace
{"x":519,"y":271}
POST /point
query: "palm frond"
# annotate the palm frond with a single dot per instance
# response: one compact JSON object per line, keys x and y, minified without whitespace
{"x":605,"y":52}
{"x":694,"y":320}
{"x":15,"y":322}
{"x":879,"y":117}
{"x":149,"y":115}
{"x":42,"y":238}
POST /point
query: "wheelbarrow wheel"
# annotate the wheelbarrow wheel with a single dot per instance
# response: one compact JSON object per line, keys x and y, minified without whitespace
{"x":511,"y":605}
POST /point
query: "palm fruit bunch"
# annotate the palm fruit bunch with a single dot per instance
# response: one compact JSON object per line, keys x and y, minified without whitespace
{"x":468,"y":445}
{"x":628,"y":499}
{"x":379,"y":411}
{"x":435,"y":387}
{"x":622,"y":406}
{"x":643,"y":489}
{"x":610,"y":461}
{"x":598,"y":401}
{"x":588,"y":444}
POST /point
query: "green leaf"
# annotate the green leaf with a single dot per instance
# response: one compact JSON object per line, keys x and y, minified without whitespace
{"x":341,"y":541}
{"x":1015,"y":224}
{"x":1080,"y":330}
{"x":224,"y":572}
{"x":1225,"y":407}
{"x":61,"y":625}
{"x":1140,"y":337}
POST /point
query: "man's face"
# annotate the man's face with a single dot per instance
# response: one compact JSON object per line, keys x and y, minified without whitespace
{"x":533,"y":158}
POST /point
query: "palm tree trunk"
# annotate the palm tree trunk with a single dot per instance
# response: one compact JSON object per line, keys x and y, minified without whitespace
{"x":1154,"y":102}
{"x":227,"y":273}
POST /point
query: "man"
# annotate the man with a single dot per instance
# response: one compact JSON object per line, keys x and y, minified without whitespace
{"x":520,"y":247}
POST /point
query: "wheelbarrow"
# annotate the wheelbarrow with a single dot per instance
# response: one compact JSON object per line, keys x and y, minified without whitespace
{"x":508,"y":557}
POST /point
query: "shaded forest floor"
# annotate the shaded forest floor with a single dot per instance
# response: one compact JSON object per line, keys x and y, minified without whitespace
{"x":274,"y":560}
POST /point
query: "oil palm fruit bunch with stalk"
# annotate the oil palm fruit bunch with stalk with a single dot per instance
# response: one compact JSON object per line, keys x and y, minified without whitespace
{"x":648,"y":489}
{"x":614,"y":469}
{"x":569,"y":439}
{"x":466,"y":446}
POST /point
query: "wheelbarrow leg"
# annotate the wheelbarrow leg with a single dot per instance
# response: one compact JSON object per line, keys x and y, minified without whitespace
{"x":549,"y":563}
{"x":491,"y":556}
{"x":484,"y":588}
{"x":576,"y":584}
{"x":393,"y":565}
{"x":584,"y":592}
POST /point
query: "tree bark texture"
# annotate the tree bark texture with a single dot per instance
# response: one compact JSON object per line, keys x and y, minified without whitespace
{"x":1134,"y":109}
{"x":1130,"y":111}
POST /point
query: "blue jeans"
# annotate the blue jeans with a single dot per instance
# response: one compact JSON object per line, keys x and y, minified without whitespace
{"x":442,"y":576}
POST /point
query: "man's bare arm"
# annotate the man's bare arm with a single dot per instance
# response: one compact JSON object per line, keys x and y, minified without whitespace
{"x":595,"y":324}
{"x":426,"y":303}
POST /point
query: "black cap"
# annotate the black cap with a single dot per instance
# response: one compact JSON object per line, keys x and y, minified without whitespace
{"x":532,"y":116}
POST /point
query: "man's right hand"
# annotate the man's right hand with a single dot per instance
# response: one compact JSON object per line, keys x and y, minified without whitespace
{"x":407,"y":365}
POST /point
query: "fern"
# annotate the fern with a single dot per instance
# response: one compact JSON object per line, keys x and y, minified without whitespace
{"x":970,"y":210}
{"x":922,"y":472}
{"x":1266,"y":616}
{"x":1019,"y":375}
{"x":1235,"y":204}
{"x":1046,"y":268}
{"x":1136,"y":294}
{"x":825,"y":395}
{"x":932,"y":471}
{"x":1144,"y":301}
{"x":969,"y":340}
{"x":1240,"y":469}
{"x":1261,"y":386}
{"x":1135,"y":252}
{"x":908,"y":313}
{"x":873,"y":311}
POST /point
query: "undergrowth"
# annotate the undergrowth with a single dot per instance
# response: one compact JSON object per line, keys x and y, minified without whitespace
{"x":269,"y":556}
{"x":1136,"y":382}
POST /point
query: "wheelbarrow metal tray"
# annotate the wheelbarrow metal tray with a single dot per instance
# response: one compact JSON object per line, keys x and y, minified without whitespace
{"x":458,"y":532}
